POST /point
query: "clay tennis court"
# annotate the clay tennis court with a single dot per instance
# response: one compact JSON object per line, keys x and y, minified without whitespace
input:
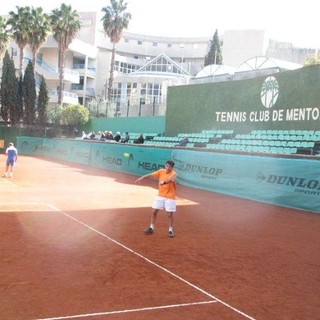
{"x":73,"y":247}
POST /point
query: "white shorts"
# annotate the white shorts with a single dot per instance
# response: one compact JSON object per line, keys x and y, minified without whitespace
{"x":164,"y":203}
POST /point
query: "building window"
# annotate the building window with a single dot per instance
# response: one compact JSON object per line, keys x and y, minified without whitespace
{"x":131,"y":94}
{"x":169,"y":45}
{"x":155,"y":44}
{"x":86,"y":22}
{"x":126,"y":40}
{"x":124,"y":92}
{"x":125,"y":68}
{"x":116,"y":92}
{"x":143,"y":89}
{"x":151,"y":92}
{"x":39,"y":58}
{"x":139,"y":42}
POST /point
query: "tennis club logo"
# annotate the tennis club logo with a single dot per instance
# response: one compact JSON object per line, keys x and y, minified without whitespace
{"x":269,"y":92}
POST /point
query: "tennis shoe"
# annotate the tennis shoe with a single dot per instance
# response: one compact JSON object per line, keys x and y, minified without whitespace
{"x":148,"y":230}
{"x":170,"y":234}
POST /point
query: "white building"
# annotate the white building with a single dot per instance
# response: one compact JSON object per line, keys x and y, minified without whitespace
{"x":145,"y":65}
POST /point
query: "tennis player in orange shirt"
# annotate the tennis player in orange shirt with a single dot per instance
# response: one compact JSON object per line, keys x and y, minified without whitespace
{"x":166,"y":198}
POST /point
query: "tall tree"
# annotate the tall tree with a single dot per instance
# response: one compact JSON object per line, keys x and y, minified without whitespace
{"x":65,"y":24}
{"x":115,"y":19}
{"x":9,"y":92}
{"x":43,"y":100}
{"x":29,"y":94}
{"x":4,"y":35}
{"x":19,"y":22}
{"x":214,"y":55}
{"x":20,"y":97}
{"x":39,"y":28}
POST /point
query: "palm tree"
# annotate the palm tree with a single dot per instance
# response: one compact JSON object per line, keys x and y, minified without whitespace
{"x":114,"y":21}
{"x":19,"y":23}
{"x":65,"y":24}
{"x":4,"y":35}
{"x":38,"y":31}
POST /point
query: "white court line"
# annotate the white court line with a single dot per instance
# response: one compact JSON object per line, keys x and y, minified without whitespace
{"x":6,"y":181}
{"x":26,"y":206}
{"x":128,"y":311}
{"x":154,"y":264}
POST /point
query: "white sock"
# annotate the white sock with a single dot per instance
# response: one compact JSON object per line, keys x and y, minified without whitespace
{"x":170,"y":229}
{"x":152,"y":226}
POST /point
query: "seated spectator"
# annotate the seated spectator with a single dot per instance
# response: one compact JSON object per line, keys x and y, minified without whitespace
{"x":98,"y":136}
{"x":84,"y":135}
{"x":109,"y":135}
{"x":139,"y":140}
{"x":117,"y":137}
{"x":184,"y":141}
{"x":126,"y":138}
{"x":92,"y":135}
{"x":103,"y":136}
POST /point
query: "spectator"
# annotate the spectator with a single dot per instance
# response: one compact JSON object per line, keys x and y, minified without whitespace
{"x":109,"y":135}
{"x":84,"y":135}
{"x":126,"y":138}
{"x":117,"y":137}
{"x":103,"y":136}
{"x":139,"y":140}
{"x":184,"y":141}
{"x":98,"y":136}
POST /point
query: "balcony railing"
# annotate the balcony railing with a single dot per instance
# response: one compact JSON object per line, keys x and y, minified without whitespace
{"x":68,"y":97}
{"x":80,"y":87}
{"x":82,"y":66}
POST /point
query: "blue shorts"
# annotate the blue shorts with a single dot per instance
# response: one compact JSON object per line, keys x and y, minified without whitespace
{"x":10,"y":162}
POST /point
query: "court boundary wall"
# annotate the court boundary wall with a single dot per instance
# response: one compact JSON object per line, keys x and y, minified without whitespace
{"x":287,"y":100}
{"x":279,"y":181}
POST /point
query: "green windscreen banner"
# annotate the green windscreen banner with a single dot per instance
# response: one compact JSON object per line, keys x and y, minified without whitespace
{"x":293,"y":183}
{"x":136,"y":159}
{"x":288,"y":100}
{"x":286,"y":182}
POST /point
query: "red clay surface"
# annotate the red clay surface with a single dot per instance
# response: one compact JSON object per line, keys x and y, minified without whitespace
{"x":72,"y":247}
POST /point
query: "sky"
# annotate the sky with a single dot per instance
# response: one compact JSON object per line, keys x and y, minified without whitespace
{"x":292,"y":22}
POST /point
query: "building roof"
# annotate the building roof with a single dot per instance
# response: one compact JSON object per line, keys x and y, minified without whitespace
{"x":250,"y":68}
{"x":162,"y":65}
{"x":215,"y":70}
{"x":261,"y":62}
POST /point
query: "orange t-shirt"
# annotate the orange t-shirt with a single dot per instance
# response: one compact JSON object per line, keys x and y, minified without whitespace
{"x":167,"y":190}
